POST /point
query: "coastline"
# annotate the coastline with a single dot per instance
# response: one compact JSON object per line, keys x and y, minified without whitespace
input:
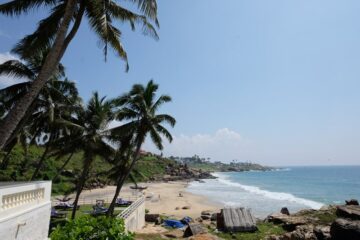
{"x":161,"y":198}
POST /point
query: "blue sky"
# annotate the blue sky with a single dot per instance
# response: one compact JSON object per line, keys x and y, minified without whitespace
{"x":274,"y":82}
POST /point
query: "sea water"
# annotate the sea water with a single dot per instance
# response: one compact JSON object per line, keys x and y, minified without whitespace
{"x":294,"y":187}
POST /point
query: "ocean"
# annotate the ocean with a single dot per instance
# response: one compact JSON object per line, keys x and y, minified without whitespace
{"x":294,"y":187}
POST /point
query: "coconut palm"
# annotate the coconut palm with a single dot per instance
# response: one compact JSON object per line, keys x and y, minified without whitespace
{"x":139,"y":109}
{"x":56,"y":31}
{"x":91,"y":124}
{"x":56,"y":100}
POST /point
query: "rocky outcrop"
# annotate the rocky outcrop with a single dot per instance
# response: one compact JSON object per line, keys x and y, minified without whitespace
{"x":343,"y":229}
{"x":349,"y":211}
{"x":288,"y":222}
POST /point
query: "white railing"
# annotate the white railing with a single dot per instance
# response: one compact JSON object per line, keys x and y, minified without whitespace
{"x":133,"y":207}
{"x":15,"y":195}
{"x":134,"y":215}
{"x":25,"y":210}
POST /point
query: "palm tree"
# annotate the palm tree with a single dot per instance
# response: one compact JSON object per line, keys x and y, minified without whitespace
{"x":56,"y":100}
{"x":54,"y":33}
{"x":92,"y":123}
{"x":139,"y":108}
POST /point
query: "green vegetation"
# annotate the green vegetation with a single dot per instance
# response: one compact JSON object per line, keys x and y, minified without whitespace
{"x":86,"y":227}
{"x":264,"y":230}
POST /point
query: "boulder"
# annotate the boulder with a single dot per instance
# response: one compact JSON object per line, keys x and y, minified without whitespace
{"x":322,"y":232}
{"x":343,"y":229}
{"x":352,"y":202}
{"x":206,"y":213}
{"x":285,"y":211}
{"x":349,"y":211}
{"x":213,"y":217}
{"x":205,"y":217}
{"x":152,"y":217}
{"x":194,"y":229}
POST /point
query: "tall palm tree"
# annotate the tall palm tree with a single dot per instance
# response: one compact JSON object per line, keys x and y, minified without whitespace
{"x":92,"y":123}
{"x":54,"y":33}
{"x":139,"y":109}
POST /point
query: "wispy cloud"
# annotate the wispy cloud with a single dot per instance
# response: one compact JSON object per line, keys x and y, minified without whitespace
{"x":6,"y":80}
{"x":223,"y":145}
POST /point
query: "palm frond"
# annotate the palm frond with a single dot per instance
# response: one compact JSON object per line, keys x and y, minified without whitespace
{"x":17,"y":7}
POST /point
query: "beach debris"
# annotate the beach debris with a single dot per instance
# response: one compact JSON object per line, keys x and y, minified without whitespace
{"x":173,"y":223}
{"x":213,"y":217}
{"x":186,"y":207}
{"x":236,"y":220}
{"x":343,"y":229}
{"x":194,"y":229}
{"x":349,"y":211}
{"x":352,"y":202}
{"x":285,"y":211}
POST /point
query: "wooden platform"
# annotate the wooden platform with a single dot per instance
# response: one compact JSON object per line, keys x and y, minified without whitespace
{"x":236,"y":220}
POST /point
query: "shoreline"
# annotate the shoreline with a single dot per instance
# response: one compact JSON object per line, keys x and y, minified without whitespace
{"x":164,"y":198}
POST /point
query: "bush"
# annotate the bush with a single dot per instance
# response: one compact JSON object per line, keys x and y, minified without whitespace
{"x":87,"y":227}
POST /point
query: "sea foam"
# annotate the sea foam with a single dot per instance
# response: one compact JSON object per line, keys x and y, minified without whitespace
{"x":268,"y":194}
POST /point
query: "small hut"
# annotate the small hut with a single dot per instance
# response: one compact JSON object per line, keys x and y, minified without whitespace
{"x":194,"y":229}
{"x":236,"y":220}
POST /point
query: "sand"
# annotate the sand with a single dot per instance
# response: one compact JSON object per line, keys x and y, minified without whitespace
{"x":161,"y":198}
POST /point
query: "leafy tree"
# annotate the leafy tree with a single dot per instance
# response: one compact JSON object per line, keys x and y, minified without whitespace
{"x":87,"y":227}
{"x":55,"y":33}
{"x":139,"y":108}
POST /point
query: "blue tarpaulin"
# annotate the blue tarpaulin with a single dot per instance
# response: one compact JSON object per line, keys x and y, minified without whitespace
{"x":173,"y":223}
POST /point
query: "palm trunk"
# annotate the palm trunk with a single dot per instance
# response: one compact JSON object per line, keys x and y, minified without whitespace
{"x":63,"y":166}
{"x":119,"y":185}
{"x":42,"y":159}
{"x":52,"y":60}
{"x":81,"y":184}
{"x":122,"y":180}
{"x":5,"y":161}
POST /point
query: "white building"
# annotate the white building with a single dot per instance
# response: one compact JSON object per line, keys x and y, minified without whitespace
{"x":25,"y":209}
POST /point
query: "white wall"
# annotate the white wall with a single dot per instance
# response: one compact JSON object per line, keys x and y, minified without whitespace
{"x":25,"y":210}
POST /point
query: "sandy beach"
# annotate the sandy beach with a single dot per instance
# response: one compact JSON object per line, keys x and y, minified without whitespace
{"x":163,"y":198}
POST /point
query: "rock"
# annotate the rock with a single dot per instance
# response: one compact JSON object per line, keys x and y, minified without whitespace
{"x":352,"y":202}
{"x":322,"y":232}
{"x":285,"y":211}
{"x":349,"y":211}
{"x":206,"y":213}
{"x":289,"y":222}
{"x":213,"y":217}
{"x":186,"y":207}
{"x":194,"y":229}
{"x":177,"y":208}
{"x":343,"y":229}
{"x":205,"y":217}
{"x":151,"y":217}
